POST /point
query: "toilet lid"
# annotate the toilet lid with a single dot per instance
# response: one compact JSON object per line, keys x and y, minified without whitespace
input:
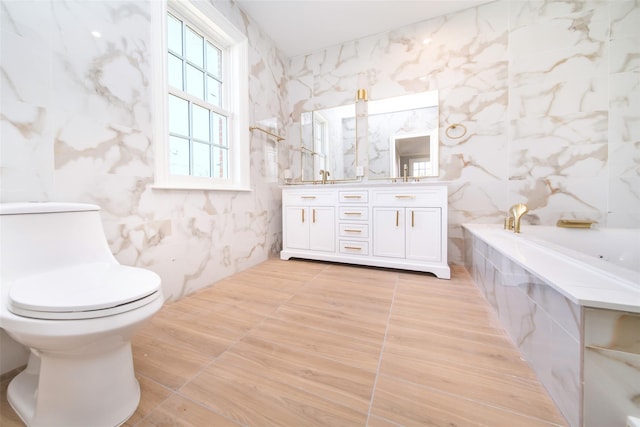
{"x":83,"y":291}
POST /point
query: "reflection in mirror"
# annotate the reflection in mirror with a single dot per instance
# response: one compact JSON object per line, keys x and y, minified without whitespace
{"x":328,"y":143}
{"x":410,"y":154}
{"x":403,"y":135}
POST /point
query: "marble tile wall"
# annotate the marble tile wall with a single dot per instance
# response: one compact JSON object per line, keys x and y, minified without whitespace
{"x":76,"y":125}
{"x":548,"y":90}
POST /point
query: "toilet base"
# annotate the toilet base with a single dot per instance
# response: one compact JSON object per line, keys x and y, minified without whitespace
{"x":76,"y":390}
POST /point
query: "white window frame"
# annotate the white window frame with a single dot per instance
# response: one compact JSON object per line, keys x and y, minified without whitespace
{"x":210,"y":22}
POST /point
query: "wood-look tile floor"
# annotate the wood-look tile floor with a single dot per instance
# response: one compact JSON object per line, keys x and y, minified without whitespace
{"x":300,"y":343}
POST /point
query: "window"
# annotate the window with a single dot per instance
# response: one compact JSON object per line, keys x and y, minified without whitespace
{"x":202,"y":143}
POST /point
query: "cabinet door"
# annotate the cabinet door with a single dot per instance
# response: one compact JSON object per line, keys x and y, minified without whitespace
{"x":424,"y":234}
{"x":322,"y":229}
{"x":297,"y":227}
{"x":388,"y":232}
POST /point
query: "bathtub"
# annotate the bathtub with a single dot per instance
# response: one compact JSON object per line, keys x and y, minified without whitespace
{"x":570,"y":301}
{"x":597,"y":267}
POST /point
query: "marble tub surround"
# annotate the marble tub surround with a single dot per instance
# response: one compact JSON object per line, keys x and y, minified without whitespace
{"x":585,"y":357}
{"x":611,"y":366}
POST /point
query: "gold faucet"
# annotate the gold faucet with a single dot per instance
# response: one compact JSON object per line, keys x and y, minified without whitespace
{"x":405,"y":169}
{"x":516,"y":212}
{"x":324,"y":174}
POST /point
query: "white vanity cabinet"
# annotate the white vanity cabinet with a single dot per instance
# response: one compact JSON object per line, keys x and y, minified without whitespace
{"x":309,"y":221}
{"x":408,"y":225}
{"x":386,"y":225}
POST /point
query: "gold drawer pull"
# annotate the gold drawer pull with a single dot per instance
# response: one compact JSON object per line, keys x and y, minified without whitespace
{"x":348,"y":230}
{"x":397,"y":218}
{"x":412,"y":218}
{"x":353,"y":248}
{"x":302,"y":210}
{"x":352,"y":197}
{"x":308,"y":197}
{"x":405,"y":196}
{"x":353,"y":213}
{"x":314,"y":215}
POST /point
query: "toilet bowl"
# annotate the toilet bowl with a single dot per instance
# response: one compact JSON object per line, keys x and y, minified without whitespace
{"x":65,"y":296}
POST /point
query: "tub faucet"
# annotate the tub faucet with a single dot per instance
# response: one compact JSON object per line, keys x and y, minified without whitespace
{"x":324,"y":174}
{"x":405,"y":169}
{"x":516,"y":212}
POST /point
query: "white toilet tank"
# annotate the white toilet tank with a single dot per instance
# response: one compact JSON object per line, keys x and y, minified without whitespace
{"x":41,"y":236}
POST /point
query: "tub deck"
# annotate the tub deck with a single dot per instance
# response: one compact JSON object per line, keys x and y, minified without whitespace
{"x":584,"y":280}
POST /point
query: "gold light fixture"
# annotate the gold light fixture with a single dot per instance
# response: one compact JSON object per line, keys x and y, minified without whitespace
{"x":361,"y":95}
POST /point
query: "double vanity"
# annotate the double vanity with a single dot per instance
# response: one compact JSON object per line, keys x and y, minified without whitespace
{"x":402,"y":225}
{"x":369,"y":206}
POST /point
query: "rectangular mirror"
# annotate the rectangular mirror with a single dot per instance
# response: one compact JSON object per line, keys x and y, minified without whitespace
{"x":403,"y":136}
{"x":328,"y":143}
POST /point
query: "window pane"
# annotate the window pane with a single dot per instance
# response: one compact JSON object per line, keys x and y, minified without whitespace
{"x":195,"y":82}
{"x":219,"y":125}
{"x":178,"y":116}
{"x":175,"y":72}
{"x":200,"y":123}
{"x":179,"y":156}
{"x":220,"y":159}
{"x":201,"y":159}
{"x":214,"y":61}
{"x":195,"y":48}
{"x":174,"y":35}
{"x":214,"y":89}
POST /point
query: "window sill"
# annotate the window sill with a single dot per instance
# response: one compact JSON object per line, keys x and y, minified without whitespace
{"x":199,"y":187}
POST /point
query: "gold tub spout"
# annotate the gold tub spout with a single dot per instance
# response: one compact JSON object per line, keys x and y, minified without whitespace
{"x":517,"y":212}
{"x":575,"y":223}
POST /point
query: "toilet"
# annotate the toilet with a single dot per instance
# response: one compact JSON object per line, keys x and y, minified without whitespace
{"x":64,"y":296}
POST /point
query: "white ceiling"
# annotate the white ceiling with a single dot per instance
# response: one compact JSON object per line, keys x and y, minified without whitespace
{"x":302,"y":26}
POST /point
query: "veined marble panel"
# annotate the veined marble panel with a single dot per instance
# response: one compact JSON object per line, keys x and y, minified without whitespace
{"x":544,"y":325}
{"x":611,"y":367}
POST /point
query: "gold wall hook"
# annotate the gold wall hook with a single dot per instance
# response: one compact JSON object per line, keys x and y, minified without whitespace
{"x":362,"y":95}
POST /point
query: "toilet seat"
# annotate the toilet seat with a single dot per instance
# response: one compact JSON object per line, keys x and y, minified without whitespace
{"x":83,"y":291}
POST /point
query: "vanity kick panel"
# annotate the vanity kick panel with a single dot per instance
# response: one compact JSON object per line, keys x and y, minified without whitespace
{"x":364,"y":222}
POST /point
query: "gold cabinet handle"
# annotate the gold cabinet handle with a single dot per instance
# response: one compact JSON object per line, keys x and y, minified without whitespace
{"x":412,"y":217}
{"x":314,"y":215}
{"x":348,"y":230}
{"x":308,"y":197}
{"x":404,"y":196}
{"x":353,"y":213}
{"x":302,"y":210}
{"x":352,"y":197}
{"x":397,"y":218}
{"x":353,"y":248}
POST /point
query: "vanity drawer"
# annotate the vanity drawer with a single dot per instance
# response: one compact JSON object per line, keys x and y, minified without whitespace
{"x":407,"y":198}
{"x":354,"y":212}
{"x":354,"y":247}
{"x":354,"y":230}
{"x":309,"y":198}
{"x":356,"y":196}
